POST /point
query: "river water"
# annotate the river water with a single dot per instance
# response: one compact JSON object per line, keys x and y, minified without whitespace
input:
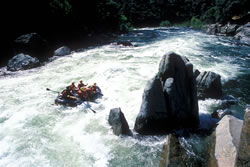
{"x":34,"y":132}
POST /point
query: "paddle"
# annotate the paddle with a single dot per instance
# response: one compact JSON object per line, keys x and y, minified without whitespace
{"x":88,"y":105}
{"x":48,"y":89}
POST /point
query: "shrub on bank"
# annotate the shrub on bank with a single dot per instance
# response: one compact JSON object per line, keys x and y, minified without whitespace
{"x":165,"y":23}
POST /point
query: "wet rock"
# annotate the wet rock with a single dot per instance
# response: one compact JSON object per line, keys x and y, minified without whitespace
{"x":22,"y":62}
{"x":62,"y":51}
{"x":118,"y":122}
{"x":169,"y":100}
{"x":209,"y":85}
{"x":219,"y":114}
{"x":243,"y":156}
{"x":32,"y":44}
{"x":243,"y":34}
{"x":176,"y":73}
{"x":175,"y":155}
{"x":228,"y":29}
{"x":225,"y":142}
{"x":213,"y":29}
{"x":153,"y":116}
{"x":231,"y":29}
{"x":124,"y":43}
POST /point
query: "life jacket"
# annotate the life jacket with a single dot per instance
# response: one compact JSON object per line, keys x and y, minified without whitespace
{"x":85,"y":94}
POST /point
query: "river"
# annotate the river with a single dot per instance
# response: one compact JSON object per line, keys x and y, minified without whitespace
{"x":36,"y":133}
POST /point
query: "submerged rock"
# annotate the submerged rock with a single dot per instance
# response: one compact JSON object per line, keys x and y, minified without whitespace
{"x":225,"y":142}
{"x":118,"y":122}
{"x":209,"y":85}
{"x":243,"y":156}
{"x":174,"y":105}
{"x":62,"y":51}
{"x":22,"y":62}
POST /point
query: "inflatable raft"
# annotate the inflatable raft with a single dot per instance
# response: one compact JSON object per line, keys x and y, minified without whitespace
{"x":73,"y":101}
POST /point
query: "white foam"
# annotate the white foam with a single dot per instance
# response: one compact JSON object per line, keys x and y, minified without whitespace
{"x":65,"y":136}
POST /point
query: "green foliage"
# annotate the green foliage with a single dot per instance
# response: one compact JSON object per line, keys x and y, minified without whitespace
{"x":62,"y":6}
{"x":125,"y":25}
{"x":183,"y":24}
{"x":196,"y":23}
{"x":165,"y":23}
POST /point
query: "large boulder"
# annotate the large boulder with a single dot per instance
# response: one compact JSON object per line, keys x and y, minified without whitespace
{"x":225,"y":142}
{"x":153,"y":116}
{"x":243,"y":156}
{"x":22,"y":62}
{"x":209,"y":85}
{"x":169,"y":100}
{"x":118,"y":122}
{"x":243,"y":34}
{"x":62,"y":51}
{"x":180,"y":92}
{"x":32,"y":44}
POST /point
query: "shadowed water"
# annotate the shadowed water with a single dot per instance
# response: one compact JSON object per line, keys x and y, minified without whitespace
{"x":35,"y":132}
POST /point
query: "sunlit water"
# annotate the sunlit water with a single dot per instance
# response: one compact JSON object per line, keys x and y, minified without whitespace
{"x":34,"y":132}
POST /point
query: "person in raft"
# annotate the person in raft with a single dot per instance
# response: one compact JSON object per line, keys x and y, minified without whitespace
{"x":81,"y":84}
{"x":67,"y":92}
{"x":73,"y":87}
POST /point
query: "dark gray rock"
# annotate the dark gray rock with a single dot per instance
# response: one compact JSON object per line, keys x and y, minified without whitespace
{"x":180,"y":91}
{"x":209,"y":85}
{"x":22,"y":62}
{"x":32,"y":44}
{"x":118,"y":122}
{"x":174,"y":106}
{"x":243,"y":156}
{"x":62,"y":51}
{"x":153,"y":116}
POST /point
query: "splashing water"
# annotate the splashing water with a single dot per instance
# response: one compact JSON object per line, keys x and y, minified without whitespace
{"x":34,"y":132}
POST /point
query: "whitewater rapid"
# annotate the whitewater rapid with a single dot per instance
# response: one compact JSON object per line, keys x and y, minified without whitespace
{"x":35,"y":132}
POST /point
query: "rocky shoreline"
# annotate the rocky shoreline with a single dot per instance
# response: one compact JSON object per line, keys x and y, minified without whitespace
{"x":237,"y":31}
